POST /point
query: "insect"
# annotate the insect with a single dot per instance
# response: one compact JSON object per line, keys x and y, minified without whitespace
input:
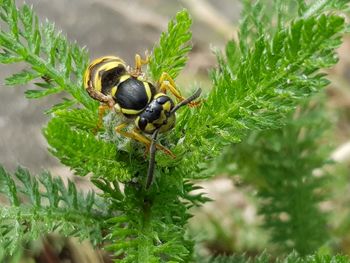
{"x":125,"y":90}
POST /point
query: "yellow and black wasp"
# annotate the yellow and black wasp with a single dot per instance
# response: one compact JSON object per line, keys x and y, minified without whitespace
{"x":125,"y":90}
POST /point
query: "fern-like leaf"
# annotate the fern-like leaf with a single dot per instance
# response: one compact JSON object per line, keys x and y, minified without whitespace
{"x":170,"y":55}
{"x":79,"y":149}
{"x":37,"y":206}
{"x":292,"y":258}
{"x":56,"y":64}
{"x":281,"y":163}
{"x":257,"y":90}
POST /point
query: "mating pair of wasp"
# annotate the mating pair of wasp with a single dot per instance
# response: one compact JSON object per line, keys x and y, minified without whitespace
{"x":126,"y":91}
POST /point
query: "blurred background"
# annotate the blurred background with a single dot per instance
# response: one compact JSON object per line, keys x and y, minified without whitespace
{"x":230,"y":223}
{"x":107,"y":27}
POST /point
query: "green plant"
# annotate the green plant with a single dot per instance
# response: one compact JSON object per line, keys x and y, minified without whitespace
{"x":291,"y":258}
{"x":281,"y":164}
{"x":256,"y":84}
{"x":57,"y":207}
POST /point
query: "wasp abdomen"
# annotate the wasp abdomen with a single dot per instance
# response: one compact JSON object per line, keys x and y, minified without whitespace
{"x":103,"y":73}
{"x":110,"y":78}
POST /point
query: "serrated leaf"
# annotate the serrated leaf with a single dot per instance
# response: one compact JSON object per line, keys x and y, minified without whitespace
{"x":83,"y":152}
{"x":48,"y":89}
{"x":7,"y":58}
{"x":21,"y":78}
{"x":67,"y":103}
{"x":79,"y":118}
{"x":26,"y":16}
{"x":170,"y":55}
{"x":47,"y":51}
{"x":68,"y":211}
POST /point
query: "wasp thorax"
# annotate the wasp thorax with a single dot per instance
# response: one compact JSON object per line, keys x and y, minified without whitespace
{"x":157,"y":115}
{"x":133,"y":95}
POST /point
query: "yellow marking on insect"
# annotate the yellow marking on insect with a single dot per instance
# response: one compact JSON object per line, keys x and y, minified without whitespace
{"x":105,"y":59}
{"x":159,"y":94}
{"x":130,"y":111}
{"x":161,"y":118}
{"x":170,"y":124}
{"x":167,"y":106}
{"x":97,"y":66}
{"x":114,"y":90}
{"x":86,"y":78}
{"x":124,"y":78}
{"x":97,"y":81}
{"x":150,"y":127}
{"x":117,"y":108}
{"x":148,"y":91}
{"x":109,"y":65}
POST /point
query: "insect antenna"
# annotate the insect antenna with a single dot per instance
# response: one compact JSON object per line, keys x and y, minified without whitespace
{"x":186,"y":101}
{"x":152,"y":158}
{"x":152,"y":150}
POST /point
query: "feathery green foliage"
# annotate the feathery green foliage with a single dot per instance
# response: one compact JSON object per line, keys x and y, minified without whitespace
{"x":81,"y":150}
{"x":31,"y":212}
{"x":56,"y":65}
{"x":257,"y":83}
{"x":292,"y":258}
{"x":258,"y":16}
{"x":170,"y":55}
{"x":281,"y":164}
{"x":278,"y":162}
{"x":145,"y":231}
{"x":256,"y":89}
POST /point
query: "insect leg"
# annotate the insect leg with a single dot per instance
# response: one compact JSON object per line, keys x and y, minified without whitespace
{"x":101,"y":112}
{"x":99,"y":96}
{"x":166,"y":82}
{"x":135,"y":135}
{"x":139,"y":62}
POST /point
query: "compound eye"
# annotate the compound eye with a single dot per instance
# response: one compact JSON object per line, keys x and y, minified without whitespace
{"x":142,"y":123}
{"x":161,"y":100}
